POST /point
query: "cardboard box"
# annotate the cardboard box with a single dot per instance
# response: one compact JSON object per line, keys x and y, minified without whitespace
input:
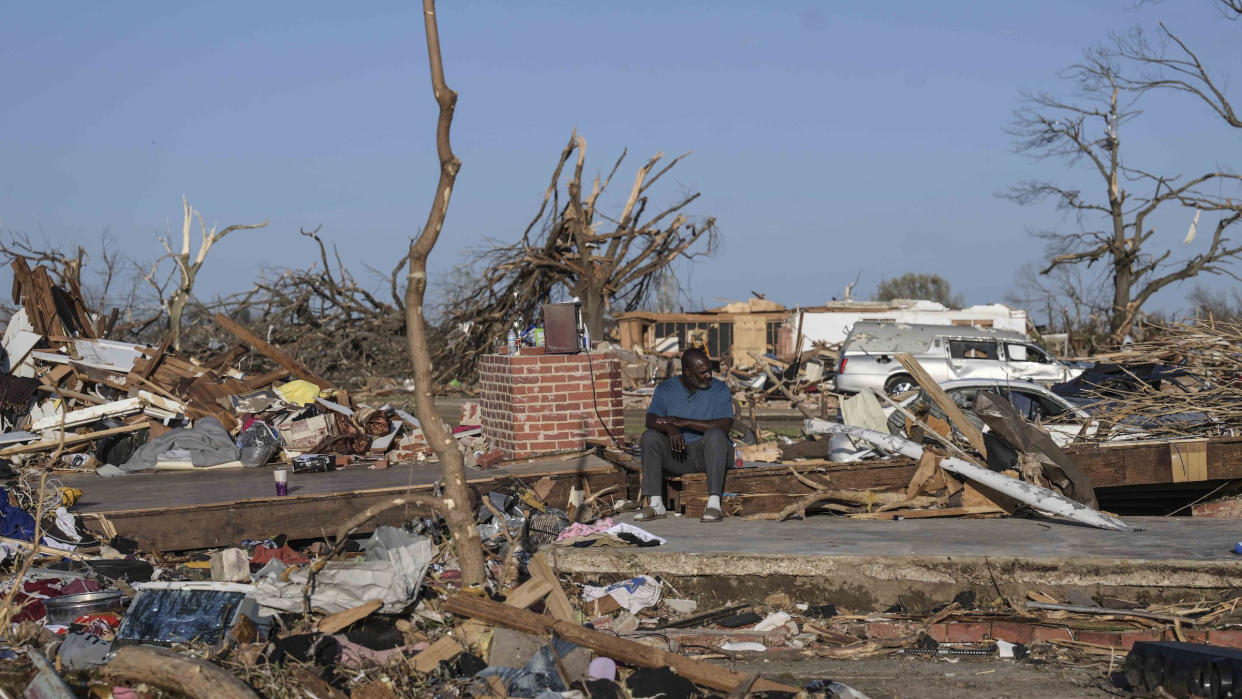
{"x":303,"y":435}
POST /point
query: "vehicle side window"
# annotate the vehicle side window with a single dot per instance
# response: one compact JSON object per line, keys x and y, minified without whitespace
{"x":1034,"y":406}
{"x":973,"y":349}
{"x":1049,"y":407}
{"x":1026,"y":353}
{"x":1026,"y":406}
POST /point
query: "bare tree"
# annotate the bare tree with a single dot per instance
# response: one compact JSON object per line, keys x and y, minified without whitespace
{"x":1087,"y":130}
{"x":612,"y":263}
{"x":608,"y":270}
{"x":186,"y":268}
{"x":456,"y":494}
{"x":1169,"y":63}
{"x":1072,"y":300}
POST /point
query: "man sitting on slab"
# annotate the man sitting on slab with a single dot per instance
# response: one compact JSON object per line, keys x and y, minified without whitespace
{"x":687,"y":432}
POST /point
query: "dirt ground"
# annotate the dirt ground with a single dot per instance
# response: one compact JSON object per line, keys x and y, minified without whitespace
{"x":961,"y":678}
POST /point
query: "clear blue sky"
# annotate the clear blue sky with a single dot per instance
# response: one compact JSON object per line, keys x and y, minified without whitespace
{"x":828,"y":138}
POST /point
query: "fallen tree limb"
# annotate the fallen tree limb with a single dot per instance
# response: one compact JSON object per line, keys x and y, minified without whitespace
{"x":1083,"y":609}
{"x":619,"y":649}
{"x":168,"y":670}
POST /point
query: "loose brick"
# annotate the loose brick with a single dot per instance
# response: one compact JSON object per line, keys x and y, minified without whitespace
{"x":1013,"y":632}
{"x":1231,"y":638}
{"x":1111,"y":639}
{"x":1052,"y":633}
{"x":968,"y":632}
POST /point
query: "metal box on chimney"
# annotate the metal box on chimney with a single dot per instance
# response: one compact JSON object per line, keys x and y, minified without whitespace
{"x":560,"y":328}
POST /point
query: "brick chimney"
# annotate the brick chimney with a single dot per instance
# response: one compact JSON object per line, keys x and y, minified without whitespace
{"x":540,"y":403}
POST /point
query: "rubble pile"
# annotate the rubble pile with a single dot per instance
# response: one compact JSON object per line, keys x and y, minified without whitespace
{"x":1182,"y":382}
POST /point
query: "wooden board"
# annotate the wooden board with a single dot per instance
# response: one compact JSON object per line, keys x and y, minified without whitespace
{"x":769,"y":488}
{"x":943,"y":401}
{"x":1188,"y":460}
{"x":270,"y":351}
{"x":213,"y":519}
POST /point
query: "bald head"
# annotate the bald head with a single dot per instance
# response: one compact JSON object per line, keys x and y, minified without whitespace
{"x":694,"y":353}
{"x":696,"y":369}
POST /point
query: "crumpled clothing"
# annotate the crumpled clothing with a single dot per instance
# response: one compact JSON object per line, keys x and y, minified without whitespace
{"x":284,"y":554}
{"x":622,"y":540}
{"x":67,"y":524}
{"x":357,"y":656}
{"x":298,"y":391}
{"x":540,"y":675}
{"x":207,"y":442}
{"x":578,"y":529}
{"x":625,"y":528}
{"x":15,"y":523}
{"x":594,"y":540}
{"x":17,"y":392}
{"x":33,"y":592}
{"x":634,"y":594}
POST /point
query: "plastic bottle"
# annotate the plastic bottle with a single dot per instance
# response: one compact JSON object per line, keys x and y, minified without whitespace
{"x":512,"y":344}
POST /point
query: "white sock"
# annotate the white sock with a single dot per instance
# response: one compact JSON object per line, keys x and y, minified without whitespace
{"x":713,"y":501}
{"x":656,"y":503}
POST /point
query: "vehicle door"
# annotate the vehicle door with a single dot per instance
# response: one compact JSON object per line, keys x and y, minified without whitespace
{"x":975,"y":359}
{"x":1027,"y":362}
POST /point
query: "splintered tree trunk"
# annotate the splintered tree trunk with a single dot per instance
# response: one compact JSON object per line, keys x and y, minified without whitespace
{"x":592,"y":300}
{"x":1119,"y":319}
{"x":457,"y":511}
{"x":176,"y":308}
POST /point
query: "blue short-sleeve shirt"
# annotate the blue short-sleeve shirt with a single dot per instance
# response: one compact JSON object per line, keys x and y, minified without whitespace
{"x":673,"y":399}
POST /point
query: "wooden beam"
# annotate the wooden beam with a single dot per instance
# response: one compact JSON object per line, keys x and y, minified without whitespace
{"x":557,"y":602}
{"x":69,"y":439}
{"x":943,"y":401}
{"x":299,"y":517}
{"x":269,"y":351}
{"x":169,"y":670}
{"x":619,"y":649}
{"x":254,"y":383}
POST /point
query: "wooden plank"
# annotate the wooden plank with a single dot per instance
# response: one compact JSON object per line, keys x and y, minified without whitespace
{"x":447,"y":647}
{"x":74,"y":418}
{"x":253,"y":383}
{"x":298,"y":517}
{"x":925,"y":514}
{"x":770,"y":488}
{"x":943,"y":401}
{"x":69,"y":439}
{"x":269,"y":351}
{"x":1224,"y":458}
{"x":557,"y":602}
{"x":1188,"y":460}
{"x":528,"y":593}
{"x":341,"y":620}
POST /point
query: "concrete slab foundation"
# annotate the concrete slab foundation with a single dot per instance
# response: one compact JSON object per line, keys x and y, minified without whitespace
{"x":869,"y":564}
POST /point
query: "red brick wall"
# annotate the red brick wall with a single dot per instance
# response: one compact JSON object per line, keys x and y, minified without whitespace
{"x":537,"y":403}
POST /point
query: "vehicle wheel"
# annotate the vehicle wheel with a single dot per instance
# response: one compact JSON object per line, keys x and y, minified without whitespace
{"x":899,"y":383}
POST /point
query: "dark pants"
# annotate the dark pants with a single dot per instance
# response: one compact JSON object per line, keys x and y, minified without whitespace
{"x":712,"y":454}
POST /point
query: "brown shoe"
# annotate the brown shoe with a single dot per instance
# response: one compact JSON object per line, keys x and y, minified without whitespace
{"x":628,"y":506}
{"x":648,"y":513}
{"x":711,"y":514}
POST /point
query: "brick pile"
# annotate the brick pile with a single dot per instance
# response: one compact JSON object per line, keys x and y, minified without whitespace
{"x":540,"y":403}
